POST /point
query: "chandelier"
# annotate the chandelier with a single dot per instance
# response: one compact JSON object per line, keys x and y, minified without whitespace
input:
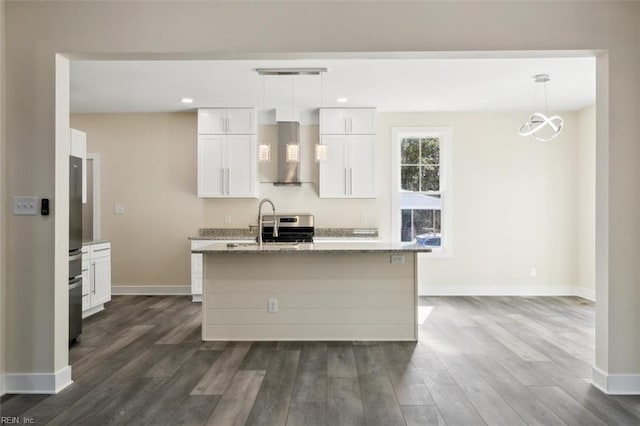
{"x":539,"y":125}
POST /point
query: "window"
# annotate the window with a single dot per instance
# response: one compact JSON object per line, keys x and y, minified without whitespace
{"x":420,"y":210}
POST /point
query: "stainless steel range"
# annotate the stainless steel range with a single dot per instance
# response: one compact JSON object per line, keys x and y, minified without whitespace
{"x":292,"y":228}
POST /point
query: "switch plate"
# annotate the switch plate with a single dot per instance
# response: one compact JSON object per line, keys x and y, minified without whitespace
{"x":397,"y":258}
{"x":533,"y":272}
{"x":364,"y":219}
{"x":25,"y":206}
{"x":118,"y":209}
{"x":273,"y":305}
{"x":227,"y":218}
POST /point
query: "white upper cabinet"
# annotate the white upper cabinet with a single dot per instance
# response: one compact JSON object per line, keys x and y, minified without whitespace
{"x":211,"y":166}
{"x":78,"y":148}
{"x":224,"y":121}
{"x":345,"y":121}
{"x":349,"y":170}
{"x":227,"y":157}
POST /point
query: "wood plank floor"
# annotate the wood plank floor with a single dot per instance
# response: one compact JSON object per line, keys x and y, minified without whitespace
{"x":479,"y":360}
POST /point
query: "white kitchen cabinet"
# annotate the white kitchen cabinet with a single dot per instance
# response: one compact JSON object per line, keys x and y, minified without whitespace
{"x":78,"y":148}
{"x":227,"y":166}
{"x":196,"y":265}
{"x":238,"y":121}
{"x":227,"y":157}
{"x":349,"y":170}
{"x":346,"y":121}
{"x":86,"y":279}
{"x":96,"y":272}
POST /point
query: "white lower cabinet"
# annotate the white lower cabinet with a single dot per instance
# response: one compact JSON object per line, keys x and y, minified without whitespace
{"x":96,"y":278}
{"x":196,"y":265}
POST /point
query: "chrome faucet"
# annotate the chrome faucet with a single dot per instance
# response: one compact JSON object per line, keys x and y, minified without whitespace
{"x":260,"y":224}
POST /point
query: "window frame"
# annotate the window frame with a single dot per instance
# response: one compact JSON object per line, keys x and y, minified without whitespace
{"x":445,"y":136}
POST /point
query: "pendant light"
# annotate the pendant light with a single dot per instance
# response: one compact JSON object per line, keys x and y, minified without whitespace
{"x":292,"y":154}
{"x":321,"y":149}
{"x":264,"y":149}
{"x":539,"y":125}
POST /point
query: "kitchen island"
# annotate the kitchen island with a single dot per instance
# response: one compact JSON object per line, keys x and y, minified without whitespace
{"x":310,"y":291}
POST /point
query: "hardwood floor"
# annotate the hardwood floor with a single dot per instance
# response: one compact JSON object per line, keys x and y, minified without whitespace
{"x":479,"y":360}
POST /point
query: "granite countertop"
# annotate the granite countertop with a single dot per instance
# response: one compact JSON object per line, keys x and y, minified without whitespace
{"x":94,"y":242}
{"x":318,"y":247}
{"x":320,"y":234}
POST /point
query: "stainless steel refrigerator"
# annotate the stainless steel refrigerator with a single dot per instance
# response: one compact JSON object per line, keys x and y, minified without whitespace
{"x":75,"y":248}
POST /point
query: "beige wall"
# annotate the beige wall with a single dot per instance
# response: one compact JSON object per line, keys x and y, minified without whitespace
{"x":37,"y":30}
{"x":514,"y":200}
{"x":148,"y":163}
{"x":587,"y":199}
{"x":514,"y":205}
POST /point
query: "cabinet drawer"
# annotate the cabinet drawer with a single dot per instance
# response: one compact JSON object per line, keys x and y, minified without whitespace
{"x":100,"y":250}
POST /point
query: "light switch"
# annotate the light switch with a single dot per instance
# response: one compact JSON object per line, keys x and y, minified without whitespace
{"x":25,"y":206}
{"x":118,"y":209}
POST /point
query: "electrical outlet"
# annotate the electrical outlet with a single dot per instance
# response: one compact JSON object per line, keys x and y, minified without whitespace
{"x":273,"y":305}
{"x":227,"y":218}
{"x":533,"y":272}
{"x":364,"y":219}
{"x":118,"y":209}
{"x":397,"y":258}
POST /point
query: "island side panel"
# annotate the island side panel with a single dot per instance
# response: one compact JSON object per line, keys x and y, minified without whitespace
{"x":321,"y":296}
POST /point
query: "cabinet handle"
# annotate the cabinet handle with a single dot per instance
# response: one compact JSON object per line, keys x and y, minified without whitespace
{"x":350,"y":181}
{"x":228,"y":125}
{"x":346,"y":125}
{"x":222,"y":181}
{"x":102,"y":249}
{"x":227,"y":181}
{"x":350,"y":125}
{"x":93,"y":289}
{"x":346,"y":183}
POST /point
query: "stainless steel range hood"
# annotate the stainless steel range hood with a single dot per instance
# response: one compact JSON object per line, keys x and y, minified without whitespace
{"x":288,"y":171}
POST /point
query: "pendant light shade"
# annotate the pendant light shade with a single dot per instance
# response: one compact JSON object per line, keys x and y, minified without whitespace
{"x":539,"y":125}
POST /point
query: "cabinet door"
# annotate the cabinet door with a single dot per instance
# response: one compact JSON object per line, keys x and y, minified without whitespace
{"x":362,"y":160}
{"x":333,"y":170}
{"x":362,"y":121}
{"x":86,"y":285}
{"x":241,"y":121}
{"x":333,"y":121}
{"x":212,"y":121}
{"x":101,"y":291}
{"x":211,"y":165}
{"x":196,"y":273}
{"x":240,"y":171}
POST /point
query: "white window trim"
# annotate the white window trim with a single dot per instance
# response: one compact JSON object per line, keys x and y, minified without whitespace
{"x":445,"y":134}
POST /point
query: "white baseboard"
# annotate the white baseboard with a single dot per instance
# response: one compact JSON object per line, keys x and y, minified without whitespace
{"x":38,"y":383}
{"x":504,"y":290}
{"x":151,"y":290}
{"x":616,"y":384}
{"x":585,"y":293}
{"x":92,"y":311}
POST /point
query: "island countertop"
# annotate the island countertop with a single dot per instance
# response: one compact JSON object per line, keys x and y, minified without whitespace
{"x":316,"y":247}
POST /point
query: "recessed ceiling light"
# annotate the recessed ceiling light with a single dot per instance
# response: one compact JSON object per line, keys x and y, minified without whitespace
{"x":342,"y":100}
{"x":186,"y":100}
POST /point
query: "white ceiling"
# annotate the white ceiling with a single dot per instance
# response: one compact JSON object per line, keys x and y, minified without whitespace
{"x":504,"y":84}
